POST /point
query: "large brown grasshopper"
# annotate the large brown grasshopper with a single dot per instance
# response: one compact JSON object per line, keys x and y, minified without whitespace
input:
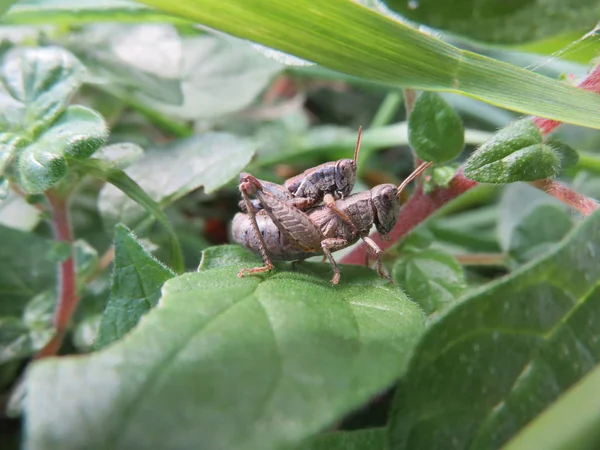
{"x":282,"y":231}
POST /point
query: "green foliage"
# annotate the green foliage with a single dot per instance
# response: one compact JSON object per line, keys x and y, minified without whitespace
{"x":370,"y":439}
{"x":486,"y":334}
{"x":515,"y":153}
{"x":435,"y":130}
{"x":136,"y":282}
{"x":505,"y":352}
{"x":228,"y":353}
{"x":432,"y":278}
{"x":502,"y":21}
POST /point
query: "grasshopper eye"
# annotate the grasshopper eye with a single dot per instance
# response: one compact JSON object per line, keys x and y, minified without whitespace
{"x":345,"y":176}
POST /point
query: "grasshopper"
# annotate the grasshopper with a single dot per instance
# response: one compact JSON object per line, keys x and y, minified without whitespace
{"x":288,"y":233}
{"x":309,"y":188}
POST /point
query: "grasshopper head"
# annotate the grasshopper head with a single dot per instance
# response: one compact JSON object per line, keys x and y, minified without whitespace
{"x":345,"y":177}
{"x":386,"y":206}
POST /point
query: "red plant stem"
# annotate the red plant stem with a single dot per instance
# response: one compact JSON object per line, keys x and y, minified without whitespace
{"x":590,"y":83}
{"x":420,"y":206}
{"x":416,"y":210}
{"x":581,"y":203}
{"x":67,"y":288}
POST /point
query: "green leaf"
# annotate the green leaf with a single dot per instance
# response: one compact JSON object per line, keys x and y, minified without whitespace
{"x":169,"y":172}
{"x":119,"y":156}
{"x":226,"y":256}
{"x":369,"y":439}
{"x":220,"y":76}
{"x":505,"y":352}
{"x":571,"y":422}
{"x":24,"y":272}
{"x":77,"y":134}
{"x":432,"y":278}
{"x":137,"y":279}
{"x":254,"y":363}
{"x":435,"y":130}
{"x":5,"y":5}
{"x":58,"y":12}
{"x":14,"y":340}
{"x":568,"y":155}
{"x":438,"y":176}
{"x":338,"y":34}
{"x":501,"y":22}
{"x":530,"y":222}
{"x":515,"y":153}
{"x":111,"y":53}
{"x":36,"y":87}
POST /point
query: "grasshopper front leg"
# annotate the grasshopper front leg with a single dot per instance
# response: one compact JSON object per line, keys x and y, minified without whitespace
{"x":378,"y":253}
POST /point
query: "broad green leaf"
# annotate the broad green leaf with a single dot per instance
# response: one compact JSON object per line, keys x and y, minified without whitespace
{"x":571,"y":422}
{"x":44,"y":12}
{"x":77,"y":134}
{"x":432,"y":278}
{"x":514,"y":153}
{"x":503,"y":354}
{"x":220,"y":76}
{"x":349,"y":38}
{"x":132,"y":61}
{"x":435,"y":130}
{"x":36,"y":87}
{"x":168,"y":172}
{"x":530,"y":222}
{"x":499,"y":21}
{"x":24,"y":272}
{"x":369,"y":439}
{"x":226,"y":362}
{"x":136,"y":282}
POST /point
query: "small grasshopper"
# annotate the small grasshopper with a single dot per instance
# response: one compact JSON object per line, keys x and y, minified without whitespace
{"x":309,"y":188}
{"x":292,"y":234}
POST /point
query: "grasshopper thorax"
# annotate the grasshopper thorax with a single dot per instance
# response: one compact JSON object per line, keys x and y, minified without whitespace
{"x":345,"y":177}
{"x":386,"y":207}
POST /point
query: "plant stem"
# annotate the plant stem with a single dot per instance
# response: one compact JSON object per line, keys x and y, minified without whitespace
{"x":387,"y":110}
{"x":589,"y":83}
{"x":589,"y":161}
{"x":481,"y":259}
{"x":581,"y":203}
{"x":67,"y":289}
{"x":419,"y":207}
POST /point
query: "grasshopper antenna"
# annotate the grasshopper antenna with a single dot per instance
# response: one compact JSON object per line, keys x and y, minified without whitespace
{"x":357,"y":148}
{"x":418,"y":171}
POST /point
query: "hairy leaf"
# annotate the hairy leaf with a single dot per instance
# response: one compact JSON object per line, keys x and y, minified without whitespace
{"x":496,"y":21}
{"x":515,"y":153}
{"x":504,"y":353}
{"x":435,"y":130}
{"x":136,"y":282}
{"x":432,"y":278}
{"x":228,"y":362}
{"x":77,"y":134}
{"x":168,"y":172}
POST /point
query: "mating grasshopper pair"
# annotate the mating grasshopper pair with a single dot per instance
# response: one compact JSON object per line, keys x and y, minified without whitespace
{"x":287,"y":223}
